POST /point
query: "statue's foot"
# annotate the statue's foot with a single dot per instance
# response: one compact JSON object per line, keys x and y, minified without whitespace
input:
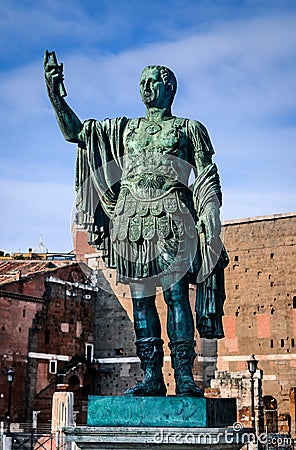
{"x":188,"y":389}
{"x":183,"y":354}
{"x":150,"y":352}
{"x":147,"y":389}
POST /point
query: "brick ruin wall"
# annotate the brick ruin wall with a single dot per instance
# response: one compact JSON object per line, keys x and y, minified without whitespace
{"x":260,"y":310}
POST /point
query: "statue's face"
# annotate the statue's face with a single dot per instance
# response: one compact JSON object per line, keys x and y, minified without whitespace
{"x":153,"y":90}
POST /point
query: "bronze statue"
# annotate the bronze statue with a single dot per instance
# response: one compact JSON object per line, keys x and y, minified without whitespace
{"x":134,"y":197}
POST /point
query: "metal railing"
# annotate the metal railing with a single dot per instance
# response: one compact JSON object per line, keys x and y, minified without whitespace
{"x":33,"y":440}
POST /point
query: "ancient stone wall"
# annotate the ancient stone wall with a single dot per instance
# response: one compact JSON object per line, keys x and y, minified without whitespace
{"x":260,"y":310}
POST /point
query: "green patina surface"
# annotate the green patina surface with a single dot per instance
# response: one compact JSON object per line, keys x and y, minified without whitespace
{"x":135,"y":198}
{"x":147,"y":411}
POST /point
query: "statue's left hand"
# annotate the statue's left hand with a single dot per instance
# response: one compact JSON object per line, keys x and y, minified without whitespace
{"x":209,"y":223}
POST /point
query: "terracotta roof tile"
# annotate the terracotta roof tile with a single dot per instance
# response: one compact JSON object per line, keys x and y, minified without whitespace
{"x":12,"y":270}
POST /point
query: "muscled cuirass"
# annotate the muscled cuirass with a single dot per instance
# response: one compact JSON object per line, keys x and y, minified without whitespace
{"x":152,"y":167}
{"x":154,"y":180}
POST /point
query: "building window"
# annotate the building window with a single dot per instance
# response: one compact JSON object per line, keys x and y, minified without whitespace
{"x":292,"y":342}
{"x":118,"y":351}
{"x":89,"y":352}
{"x":53,"y":366}
{"x":65,"y":327}
{"x":271,"y":343}
{"x":294,"y":302}
{"x":282,"y":343}
{"x":270,"y":413}
{"x":46,"y":337}
{"x":236,"y":258}
{"x":73,"y":383}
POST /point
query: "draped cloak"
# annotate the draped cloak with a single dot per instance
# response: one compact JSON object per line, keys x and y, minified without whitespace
{"x":98,"y":182}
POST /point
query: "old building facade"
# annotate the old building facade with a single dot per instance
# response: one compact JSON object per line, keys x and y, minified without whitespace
{"x":47,"y":328}
{"x":260,"y":313}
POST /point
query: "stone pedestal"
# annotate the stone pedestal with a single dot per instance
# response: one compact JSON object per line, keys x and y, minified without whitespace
{"x":159,"y":422}
{"x":167,"y":438}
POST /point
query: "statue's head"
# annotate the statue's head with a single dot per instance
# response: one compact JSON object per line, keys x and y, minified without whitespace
{"x":158,"y":86}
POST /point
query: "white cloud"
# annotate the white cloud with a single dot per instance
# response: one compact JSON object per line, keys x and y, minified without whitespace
{"x":238,"y":78}
{"x":245,"y":68}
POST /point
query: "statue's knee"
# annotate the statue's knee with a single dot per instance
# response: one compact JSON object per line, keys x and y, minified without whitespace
{"x":144,"y":304}
{"x":173,"y":301}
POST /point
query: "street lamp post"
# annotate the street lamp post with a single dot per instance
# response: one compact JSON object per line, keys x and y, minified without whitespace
{"x":252,"y":367}
{"x":10,"y":377}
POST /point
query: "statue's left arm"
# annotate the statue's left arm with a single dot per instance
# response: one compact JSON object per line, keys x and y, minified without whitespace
{"x":207,"y":190}
{"x":210,"y":292}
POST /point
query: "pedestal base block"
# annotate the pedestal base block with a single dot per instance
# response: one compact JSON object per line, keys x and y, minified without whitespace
{"x":141,"y":438}
{"x":160,"y":411}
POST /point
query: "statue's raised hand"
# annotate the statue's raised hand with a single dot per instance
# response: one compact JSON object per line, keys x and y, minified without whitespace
{"x":54,"y":75}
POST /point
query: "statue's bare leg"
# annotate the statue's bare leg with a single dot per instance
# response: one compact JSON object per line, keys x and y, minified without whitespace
{"x":180,"y":324}
{"x":146,"y":318}
{"x":148,"y":343}
{"x":181,"y":333}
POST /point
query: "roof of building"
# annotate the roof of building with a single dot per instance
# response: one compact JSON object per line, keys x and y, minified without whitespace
{"x":259,"y":218}
{"x":13,"y":270}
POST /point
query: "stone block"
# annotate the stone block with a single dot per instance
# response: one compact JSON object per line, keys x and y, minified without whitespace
{"x":160,"y":411}
{"x":140,"y":438}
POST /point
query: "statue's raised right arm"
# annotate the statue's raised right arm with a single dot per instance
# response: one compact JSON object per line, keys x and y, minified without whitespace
{"x":68,"y":121}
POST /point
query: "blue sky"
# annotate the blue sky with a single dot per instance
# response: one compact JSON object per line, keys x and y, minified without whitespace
{"x":236,"y":67}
